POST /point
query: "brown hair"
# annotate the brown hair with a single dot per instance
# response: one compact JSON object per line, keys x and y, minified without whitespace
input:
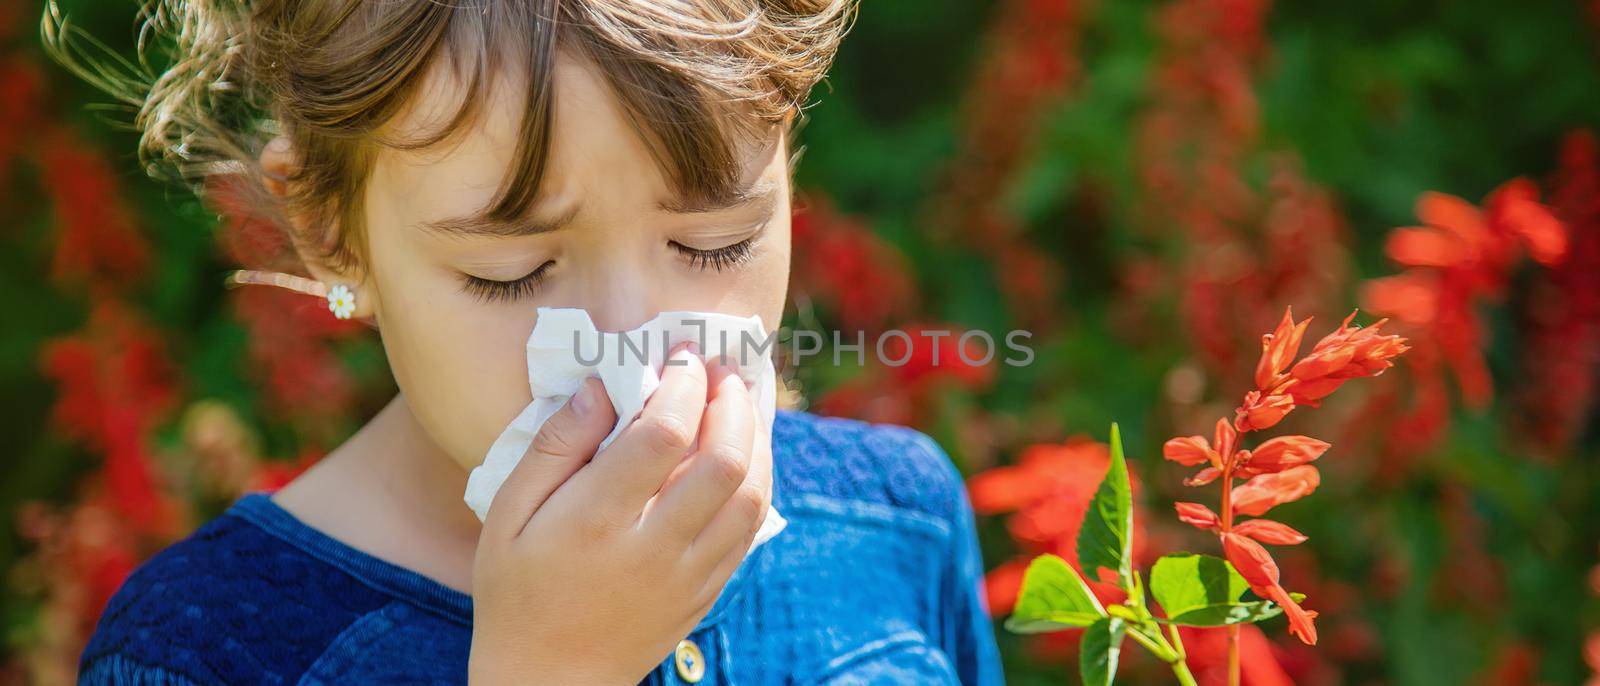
{"x":694,"y":76}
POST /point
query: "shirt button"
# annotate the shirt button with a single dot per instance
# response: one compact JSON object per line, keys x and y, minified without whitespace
{"x":691,"y":663}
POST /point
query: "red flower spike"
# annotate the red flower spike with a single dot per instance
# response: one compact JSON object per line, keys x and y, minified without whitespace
{"x":1189,"y":451}
{"x":1267,"y":491}
{"x":1283,"y":452}
{"x":1262,"y":411}
{"x":1348,"y":353}
{"x":1255,"y":564}
{"x":1269,"y":532}
{"x":1279,"y":348}
{"x":1197,"y":515}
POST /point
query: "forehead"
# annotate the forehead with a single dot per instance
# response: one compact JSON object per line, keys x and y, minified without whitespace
{"x":597,"y":149}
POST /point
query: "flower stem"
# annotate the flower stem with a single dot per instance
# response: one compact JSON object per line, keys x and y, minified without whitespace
{"x":1233,"y":655}
{"x":1162,"y":652}
{"x":1180,"y":669}
{"x":1227,"y":525}
{"x":1149,"y":635}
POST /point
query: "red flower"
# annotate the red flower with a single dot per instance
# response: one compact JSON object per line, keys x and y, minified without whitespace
{"x":1515,"y":208}
{"x":1226,"y":439}
{"x":1280,"y":453}
{"x":1278,"y":349}
{"x":1459,"y":257}
{"x":1002,"y":585}
{"x":1560,"y":361}
{"x":930,"y":353}
{"x":1411,"y":296}
{"x":1207,"y":648}
{"x":1262,"y":411}
{"x":1203,"y":477}
{"x":1270,"y":532}
{"x":1189,"y":451}
{"x":98,"y":244}
{"x":840,"y":263}
{"x":115,"y":385}
{"x":1048,"y":490}
{"x":1458,"y":234}
{"x":1256,"y":566}
{"x":1267,"y":491}
{"x":1197,"y":515}
{"x":1350,"y":352}
{"x":1278,"y":471}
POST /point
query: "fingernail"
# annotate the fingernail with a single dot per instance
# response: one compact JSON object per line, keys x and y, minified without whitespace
{"x":587,"y":398}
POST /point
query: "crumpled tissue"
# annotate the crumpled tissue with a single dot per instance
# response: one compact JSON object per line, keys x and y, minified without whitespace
{"x":565,"y":348}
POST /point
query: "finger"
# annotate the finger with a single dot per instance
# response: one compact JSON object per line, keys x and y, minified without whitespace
{"x":725,"y":567}
{"x":564,"y":444}
{"x":633,"y":467}
{"x":746,"y":509}
{"x":695,"y":492}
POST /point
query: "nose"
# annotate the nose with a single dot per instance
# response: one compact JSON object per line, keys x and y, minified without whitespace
{"x":620,"y":297}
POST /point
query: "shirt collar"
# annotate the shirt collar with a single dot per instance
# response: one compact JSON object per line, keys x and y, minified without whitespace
{"x":409,"y":586}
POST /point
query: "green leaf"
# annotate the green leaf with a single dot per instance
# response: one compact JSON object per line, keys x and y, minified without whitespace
{"x":1053,"y":598}
{"x":1201,"y":590}
{"x":1098,"y":653}
{"x":1184,"y":581}
{"x":1106,"y":540}
{"x":1229,"y":613}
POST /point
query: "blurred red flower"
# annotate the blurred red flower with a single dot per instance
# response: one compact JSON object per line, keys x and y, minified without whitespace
{"x":1047,"y":493}
{"x":1461,"y":256}
{"x":97,"y":244}
{"x":841,"y":264}
{"x":115,"y":384}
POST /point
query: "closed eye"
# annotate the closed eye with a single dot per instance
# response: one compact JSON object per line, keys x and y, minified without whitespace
{"x":490,"y":290}
{"x":716,"y":258}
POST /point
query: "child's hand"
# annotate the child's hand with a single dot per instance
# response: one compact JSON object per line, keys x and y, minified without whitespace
{"x":589,"y":570}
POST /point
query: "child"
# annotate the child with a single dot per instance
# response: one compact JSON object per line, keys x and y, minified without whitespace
{"x":444,"y":168}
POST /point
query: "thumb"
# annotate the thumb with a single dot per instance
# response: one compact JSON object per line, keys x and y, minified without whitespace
{"x":566,"y":442}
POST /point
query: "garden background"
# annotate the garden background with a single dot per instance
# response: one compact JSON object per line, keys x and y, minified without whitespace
{"x":1144,"y":185}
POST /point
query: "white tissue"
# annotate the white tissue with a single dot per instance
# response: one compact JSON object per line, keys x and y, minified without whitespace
{"x":629,"y":364}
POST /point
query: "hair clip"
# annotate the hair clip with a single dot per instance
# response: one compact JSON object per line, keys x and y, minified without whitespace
{"x":298,"y":284}
{"x":341,"y":300}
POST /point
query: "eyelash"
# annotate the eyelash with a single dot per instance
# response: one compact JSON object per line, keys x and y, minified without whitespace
{"x":490,"y":290}
{"x":719,"y":258}
{"x":493,"y":291}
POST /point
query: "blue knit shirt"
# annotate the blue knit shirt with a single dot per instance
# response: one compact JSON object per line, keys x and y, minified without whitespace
{"x":876,"y":580}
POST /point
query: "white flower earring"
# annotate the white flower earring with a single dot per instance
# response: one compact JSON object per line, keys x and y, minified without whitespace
{"x":341,"y":301}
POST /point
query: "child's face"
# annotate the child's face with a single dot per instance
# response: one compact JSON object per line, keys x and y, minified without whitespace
{"x":455,"y":339}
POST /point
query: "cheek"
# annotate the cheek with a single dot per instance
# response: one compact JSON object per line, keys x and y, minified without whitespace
{"x":460,"y":363}
{"x":773,"y":282}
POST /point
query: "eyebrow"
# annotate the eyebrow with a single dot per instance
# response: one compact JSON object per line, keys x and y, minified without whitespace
{"x":763,"y":192}
{"x":485,"y":225}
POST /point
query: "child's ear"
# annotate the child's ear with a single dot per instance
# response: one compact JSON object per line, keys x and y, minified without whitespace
{"x":279,"y":161}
